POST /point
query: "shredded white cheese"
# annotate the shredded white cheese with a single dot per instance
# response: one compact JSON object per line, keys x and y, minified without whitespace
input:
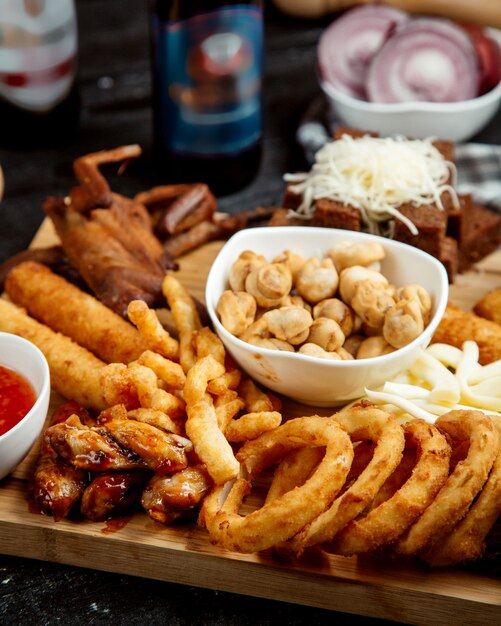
{"x":443,"y":378}
{"x":376,"y":176}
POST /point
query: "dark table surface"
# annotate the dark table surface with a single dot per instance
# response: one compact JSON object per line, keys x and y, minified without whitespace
{"x":114,"y":80}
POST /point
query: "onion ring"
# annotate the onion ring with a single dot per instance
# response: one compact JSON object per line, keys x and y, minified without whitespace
{"x":282,"y":518}
{"x":467,"y":540}
{"x":361,"y":422}
{"x":462,"y":485}
{"x":293,"y":471}
{"x":384,"y":523}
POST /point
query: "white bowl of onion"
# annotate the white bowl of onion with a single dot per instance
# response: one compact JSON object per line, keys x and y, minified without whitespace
{"x":390,"y":73}
{"x":314,"y":380}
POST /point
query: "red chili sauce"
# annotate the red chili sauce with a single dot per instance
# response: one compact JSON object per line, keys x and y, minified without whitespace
{"x":17,"y":397}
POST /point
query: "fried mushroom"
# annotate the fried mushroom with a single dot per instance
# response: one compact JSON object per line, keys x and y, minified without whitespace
{"x":317,"y":280}
{"x":289,"y":323}
{"x":350,"y":277}
{"x":241,"y":268}
{"x":403,"y":323}
{"x":327,"y":334}
{"x":335,"y":309}
{"x":370,"y":301}
{"x":237,"y":311}
{"x":269,"y":284}
{"x":347,"y":253}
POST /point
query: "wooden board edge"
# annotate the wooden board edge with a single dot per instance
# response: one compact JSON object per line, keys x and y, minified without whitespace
{"x":222,"y":574}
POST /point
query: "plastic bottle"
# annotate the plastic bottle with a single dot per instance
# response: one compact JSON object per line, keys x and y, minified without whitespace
{"x":39,"y":101}
{"x":207,"y":65}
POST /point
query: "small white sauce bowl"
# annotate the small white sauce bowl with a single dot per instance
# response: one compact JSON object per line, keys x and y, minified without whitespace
{"x":311,"y":380}
{"x":22,"y":356}
{"x":452,"y":121}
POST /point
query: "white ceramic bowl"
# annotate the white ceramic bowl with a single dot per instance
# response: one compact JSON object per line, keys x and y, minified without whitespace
{"x":453,"y":121}
{"x":25,"y":358}
{"x":311,"y":380}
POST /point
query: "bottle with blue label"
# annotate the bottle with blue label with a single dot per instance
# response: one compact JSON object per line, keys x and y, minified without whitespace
{"x":207,"y":65}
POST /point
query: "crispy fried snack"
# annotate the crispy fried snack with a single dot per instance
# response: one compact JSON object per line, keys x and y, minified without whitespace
{"x":362,"y":423}
{"x":168,"y":499}
{"x":489,"y":306}
{"x":466,"y":541}
{"x":149,"y":326}
{"x":186,"y":318}
{"x":74,"y":371}
{"x":458,"y":326}
{"x":111,"y":494}
{"x":409,"y":491}
{"x":138,"y":386}
{"x":57,"y":486}
{"x":282,"y":518}
{"x":462,"y":486}
{"x":209,"y":442}
{"x":109,"y":237}
{"x":162,"y":452}
{"x":251,"y":425}
{"x":51,"y":299}
{"x":90,"y":448}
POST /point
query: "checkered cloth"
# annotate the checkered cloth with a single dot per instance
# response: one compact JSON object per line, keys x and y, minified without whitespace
{"x":478,"y":165}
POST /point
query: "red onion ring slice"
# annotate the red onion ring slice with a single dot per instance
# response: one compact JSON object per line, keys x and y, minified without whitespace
{"x":347,"y":46}
{"x":427,"y":59}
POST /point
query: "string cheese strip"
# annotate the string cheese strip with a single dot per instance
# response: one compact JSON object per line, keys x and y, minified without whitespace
{"x":445,"y":387}
{"x":376,"y":175}
{"x":421,"y":391}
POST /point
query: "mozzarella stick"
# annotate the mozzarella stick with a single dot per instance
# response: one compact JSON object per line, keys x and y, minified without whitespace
{"x":65,"y":308}
{"x":458,"y":326}
{"x":74,"y":370}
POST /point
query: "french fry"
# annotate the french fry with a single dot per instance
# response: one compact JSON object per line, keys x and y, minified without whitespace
{"x":150,"y":395}
{"x":207,"y":342}
{"x":255,"y":399}
{"x":209,"y":441}
{"x":251,"y":425}
{"x":197,"y":378}
{"x":227,"y":406}
{"x":169,"y":372}
{"x":154,"y":334}
{"x":118,"y":387}
{"x":185,"y":316}
{"x":154,"y":417}
{"x":229,"y":380}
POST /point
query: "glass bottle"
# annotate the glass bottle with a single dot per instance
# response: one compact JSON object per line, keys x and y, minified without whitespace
{"x":207,"y":65}
{"x":39,"y":100}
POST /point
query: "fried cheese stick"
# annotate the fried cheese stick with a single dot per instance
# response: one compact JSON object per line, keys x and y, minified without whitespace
{"x":74,"y":370}
{"x":51,"y":299}
{"x":458,"y":326}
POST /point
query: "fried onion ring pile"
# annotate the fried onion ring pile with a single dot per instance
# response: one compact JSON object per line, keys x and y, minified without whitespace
{"x":424,"y":490}
{"x":280,"y":519}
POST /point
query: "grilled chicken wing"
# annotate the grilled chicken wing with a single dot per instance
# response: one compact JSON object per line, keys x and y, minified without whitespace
{"x":162,"y":452}
{"x":90,"y":448}
{"x":170,"y":498}
{"x":111,"y":494}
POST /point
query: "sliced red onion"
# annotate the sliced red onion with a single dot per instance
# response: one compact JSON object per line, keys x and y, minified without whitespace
{"x":489,"y":57}
{"x":347,"y":46}
{"x":427,"y":59}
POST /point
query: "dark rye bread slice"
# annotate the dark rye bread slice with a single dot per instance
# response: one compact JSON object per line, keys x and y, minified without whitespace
{"x":483,"y":236}
{"x":449,"y":257}
{"x":431,"y":223}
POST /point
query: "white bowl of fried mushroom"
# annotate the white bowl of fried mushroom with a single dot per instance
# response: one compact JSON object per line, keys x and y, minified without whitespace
{"x":319,"y":314}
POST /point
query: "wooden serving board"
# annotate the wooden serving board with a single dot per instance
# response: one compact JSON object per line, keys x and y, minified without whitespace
{"x":406,"y":592}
